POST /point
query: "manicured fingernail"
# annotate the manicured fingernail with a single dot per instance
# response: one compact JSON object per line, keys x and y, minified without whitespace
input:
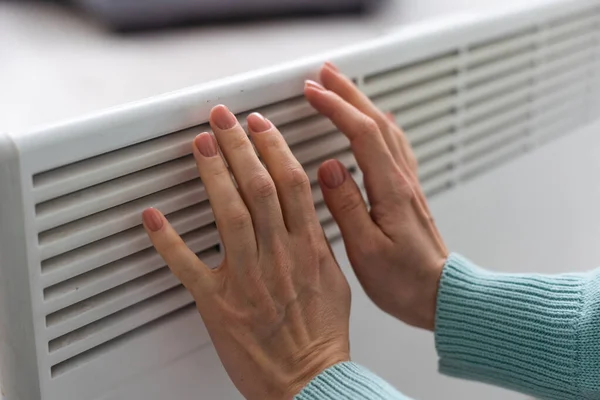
{"x":257,"y":123}
{"x":152,"y":219}
{"x":332,"y":67}
{"x":222,"y":117}
{"x":206,"y":144}
{"x":332,"y":173}
{"x":313,"y":84}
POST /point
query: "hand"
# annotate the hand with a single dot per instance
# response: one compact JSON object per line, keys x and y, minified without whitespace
{"x":395,"y":248}
{"x":277,"y":308}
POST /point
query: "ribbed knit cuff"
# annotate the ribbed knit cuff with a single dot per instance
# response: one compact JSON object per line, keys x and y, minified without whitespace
{"x":348,"y":380}
{"x":511,"y":330}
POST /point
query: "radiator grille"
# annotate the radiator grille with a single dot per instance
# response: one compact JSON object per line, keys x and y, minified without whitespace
{"x":101,"y":278}
{"x":464,"y":111}
{"x":484,"y":103}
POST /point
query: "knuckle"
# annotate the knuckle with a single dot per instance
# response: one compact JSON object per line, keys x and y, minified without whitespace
{"x":314,"y":237}
{"x":296,"y":178}
{"x":350,"y":204}
{"x":367,"y":126}
{"x":272,"y":141}
{"x":174,"y":252}
{"x":220,"y":171}
{"x":403,"y":190}
{"x":406,"y":192}
{"x":261,"y":186}
{"x":238,"y":142}
{"x":239,"y":218}
{"x":172,"y":247}
{"x":317,"y":240}
{"x":335,"y":114}
{"x":383,"y":122}
{"x":335,"y":109}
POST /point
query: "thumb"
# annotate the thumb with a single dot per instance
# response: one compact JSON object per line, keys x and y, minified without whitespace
{"x":184,"y":264}
{"x":345,"y":202}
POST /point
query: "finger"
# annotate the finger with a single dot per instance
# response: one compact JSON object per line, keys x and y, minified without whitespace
{"x":370,"y":150}
{"x":391,"y":121}
{"x":232,"y":216}
{"x":185,"y":265}
{"x":335,"y":81}
{"x":293,"y":186}
{"x":424,"y":212}
{"x":256,"y":185}
{"x":412,"y":161}
{"x":345,"y":202}
{"x":404,"y":144}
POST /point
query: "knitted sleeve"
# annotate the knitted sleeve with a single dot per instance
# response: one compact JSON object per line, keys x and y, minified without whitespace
{"x":349,"y":381}
{"x":537,"y":334}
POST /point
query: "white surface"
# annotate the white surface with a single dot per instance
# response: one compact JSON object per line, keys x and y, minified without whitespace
{"x":56,"y":65}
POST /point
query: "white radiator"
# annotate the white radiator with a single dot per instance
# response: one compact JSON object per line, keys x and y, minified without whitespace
{"x":86,"y":305}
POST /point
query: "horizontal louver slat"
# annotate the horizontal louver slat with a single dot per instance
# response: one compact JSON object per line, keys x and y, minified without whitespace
{"x":94,"y":255}
{"x":94,"y":334}
{"x":109,"y":166}
{"x":488,"y":52}
{"x":81,"y":287}
{"x":409,"y":75}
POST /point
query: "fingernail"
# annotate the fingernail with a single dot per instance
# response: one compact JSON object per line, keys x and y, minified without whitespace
{"x":257,"y":123}
{"x":206,"y":145}
{"x":152,"y":219}
{"x":332,"y":173}
{"x":313,"y":84}
{"x":332,"y":67}
{"x":222,"y":117}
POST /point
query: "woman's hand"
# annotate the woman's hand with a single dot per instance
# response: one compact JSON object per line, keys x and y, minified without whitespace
{"x":395,"y":248}
{"x":277,"y":308}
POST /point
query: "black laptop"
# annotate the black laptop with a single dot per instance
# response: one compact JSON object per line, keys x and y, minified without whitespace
{"x":148,"y":14}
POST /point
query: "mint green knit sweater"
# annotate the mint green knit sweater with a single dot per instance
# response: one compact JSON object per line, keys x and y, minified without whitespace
{"x":536,"y":334}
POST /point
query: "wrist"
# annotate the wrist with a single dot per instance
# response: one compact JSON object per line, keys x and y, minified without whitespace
{"x":430,"y":293}
{"x":417,"y":304}
{"x":314,"y":365}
